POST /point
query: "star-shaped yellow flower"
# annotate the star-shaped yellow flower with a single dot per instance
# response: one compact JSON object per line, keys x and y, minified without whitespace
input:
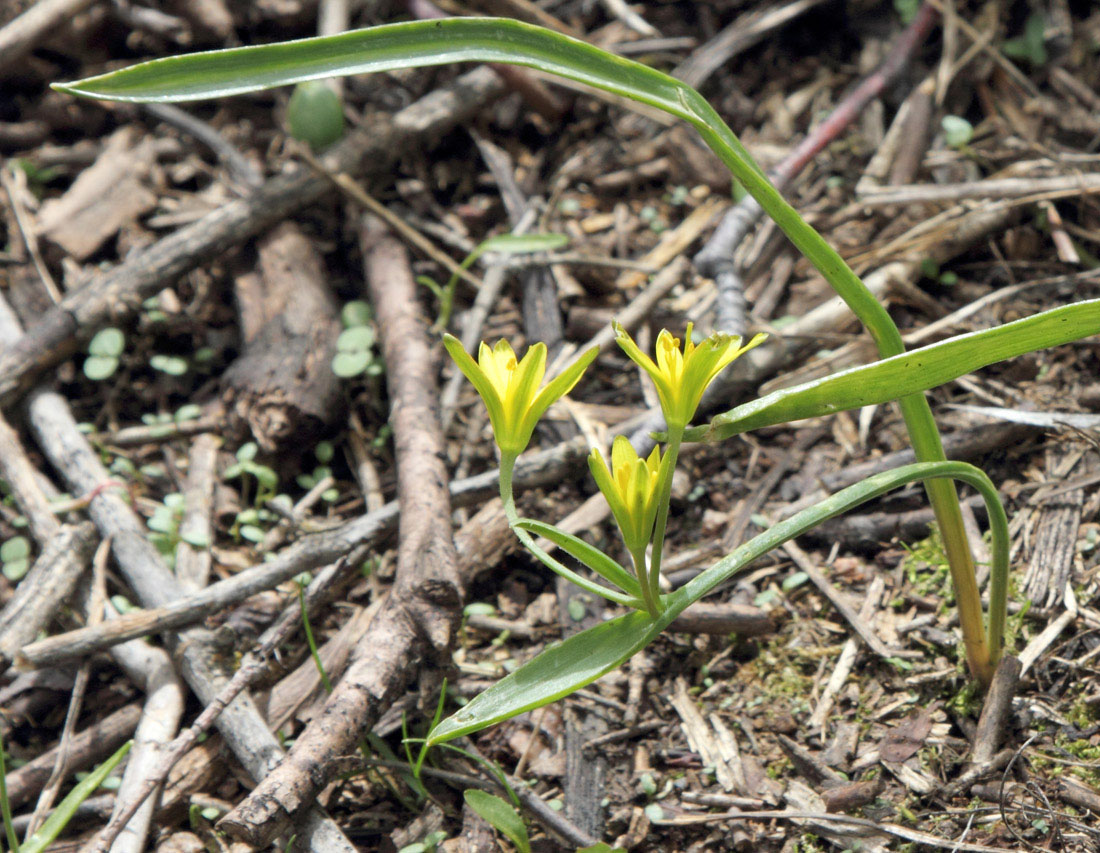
{"x":509,"y":387}
{"x":682,"y":377}
{"x":630,"y":486}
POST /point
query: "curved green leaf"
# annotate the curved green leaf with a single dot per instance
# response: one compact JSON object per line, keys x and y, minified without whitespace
{"x":908,"y":373}
{"x":588,"y":554}
{"x":585,"y":657}
{"x":407,"y":45}
{"x":500,"y":815}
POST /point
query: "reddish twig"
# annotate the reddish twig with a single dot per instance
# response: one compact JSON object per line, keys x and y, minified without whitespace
{"x":715,"y":259}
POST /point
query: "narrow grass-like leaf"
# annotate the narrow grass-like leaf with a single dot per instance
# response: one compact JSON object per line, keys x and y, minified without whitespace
{"x":585,"y":657}
{"x":911,"y":372}
{"x":523,"y":244}
{"x":5,"y":803}
{"x":65,"y":810}
{"x":408,"y":45}
{"x":590,"y":555}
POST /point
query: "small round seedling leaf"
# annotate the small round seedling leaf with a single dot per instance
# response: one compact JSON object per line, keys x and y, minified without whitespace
{"x":98,"y":367}
{"x":252,"y":533}
{"x":265,"y":476}
{"x":957,"y":131}
{"x":247,"y":451}
{"x":195,"y":538}
{"x":356,"y":313}
{"x":349,"y":364}
{"x":16,"y":548}
{"x":107,"y":342}
{"x":355,"y":339}
{"x":171,"y":364}
{"x":188,"y":412}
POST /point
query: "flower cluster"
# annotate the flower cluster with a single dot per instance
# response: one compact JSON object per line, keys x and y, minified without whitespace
{"x":636,"y":489}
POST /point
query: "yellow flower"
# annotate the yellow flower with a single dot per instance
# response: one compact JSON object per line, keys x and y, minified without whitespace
{"x":682,"y":377}
{"x":630,"y":486}
{"x":510,"y":388}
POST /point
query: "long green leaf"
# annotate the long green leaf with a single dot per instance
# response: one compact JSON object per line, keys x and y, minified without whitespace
{"x":590,"y":555}
{"x":407,"y":45}
{"x":585,"y":657}
{"x":909,"y":373}
{"x":65,"y":810}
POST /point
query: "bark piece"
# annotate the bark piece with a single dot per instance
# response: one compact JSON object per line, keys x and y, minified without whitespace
{"x":1051,"y":563}
{"x":283,"y":386}
{"x":106,"y":197}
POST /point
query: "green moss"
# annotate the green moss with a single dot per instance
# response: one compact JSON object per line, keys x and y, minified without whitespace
{"x":927,"y":569}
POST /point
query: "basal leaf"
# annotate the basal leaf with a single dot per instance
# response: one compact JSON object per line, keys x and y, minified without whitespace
{"x":585,"y":657}
{"x":910,"y":372}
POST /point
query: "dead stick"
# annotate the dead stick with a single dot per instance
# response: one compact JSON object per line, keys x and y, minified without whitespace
{"x":253,"y":666}
{"x":995,"y":710}
{"x":533,"y":470}
{"x":19,"y":36}
{"x":419,"y":616}
{"x":119,"y":293}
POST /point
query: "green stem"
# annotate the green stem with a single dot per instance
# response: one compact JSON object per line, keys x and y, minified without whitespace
{"x":652,"y":602}
{"x":507,"y":465}
{"x":981,"y":654}
{"x":668,"y":468}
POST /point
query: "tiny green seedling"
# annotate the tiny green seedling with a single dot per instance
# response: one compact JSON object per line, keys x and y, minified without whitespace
{"x":104,"y":350}
{"x":355,"y":346}
{"x":957,"y":131}
{"x":15,"y":555}
{"x":504,"y":244}
{"x":267,"y":481}
{"x":1031,"y":44}
{"x":171,"y":365}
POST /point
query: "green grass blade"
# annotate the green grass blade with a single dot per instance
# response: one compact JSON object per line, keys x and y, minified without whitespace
{"x":5,"y":803}
{"x":585,"y":657}
{"x":64,"y":812}
{"x":910,"y":372}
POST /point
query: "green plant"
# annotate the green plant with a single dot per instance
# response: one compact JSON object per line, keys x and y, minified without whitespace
{"x":501,"y":816}
{"x":59,"y":818}
{"x":1031,"y":43}
{"x":509,"y":387}
{"x":505,"y":244}
{"x":355,"y":346}
{"x":315,"y":114}
{"x":104,"y":350}
{"x":267,"y":481}
{"x":957,"y":131}
{"x":15,"y":555}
